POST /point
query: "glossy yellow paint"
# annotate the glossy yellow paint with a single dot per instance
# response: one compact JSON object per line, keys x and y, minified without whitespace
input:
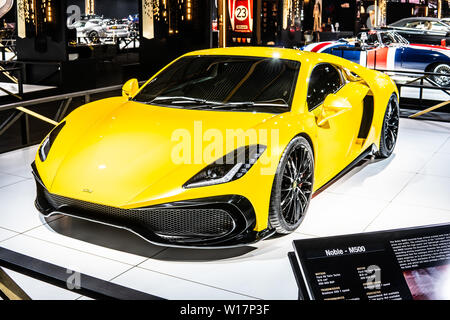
{"x":121,"y":150}
{"x":130,"y":88}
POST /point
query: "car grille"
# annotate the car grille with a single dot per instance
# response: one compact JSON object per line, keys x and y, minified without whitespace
{"x":166,"y":222}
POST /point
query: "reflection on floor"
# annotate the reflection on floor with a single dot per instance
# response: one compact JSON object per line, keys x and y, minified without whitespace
{"x":410,"y":189}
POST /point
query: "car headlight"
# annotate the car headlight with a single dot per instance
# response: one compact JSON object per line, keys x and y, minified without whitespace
{"x":231,"y":167}
{"x":48,"y":142}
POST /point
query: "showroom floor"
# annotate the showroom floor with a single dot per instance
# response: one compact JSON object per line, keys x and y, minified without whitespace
{"x":410,"y":189}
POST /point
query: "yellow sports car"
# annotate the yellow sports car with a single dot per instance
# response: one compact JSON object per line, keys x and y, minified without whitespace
{"x":222,"y":147}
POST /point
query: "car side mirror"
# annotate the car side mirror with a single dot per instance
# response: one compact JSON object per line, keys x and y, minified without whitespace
{"x":130,"y":88}
{"x":333,"y":106}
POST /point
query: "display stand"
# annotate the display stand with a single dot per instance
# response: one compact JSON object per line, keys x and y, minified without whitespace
{"x":302,"y":293}
{"x":407,"y":264}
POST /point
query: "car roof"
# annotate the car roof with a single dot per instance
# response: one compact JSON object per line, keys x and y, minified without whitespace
{"x":269,"y":52}
{"x":418,"y":19}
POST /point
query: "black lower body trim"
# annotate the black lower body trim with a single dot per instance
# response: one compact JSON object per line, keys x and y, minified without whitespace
{"x":368,"y":152}
{"x":223,"y":221}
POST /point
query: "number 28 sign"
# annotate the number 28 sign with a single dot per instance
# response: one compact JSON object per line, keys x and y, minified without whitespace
{"x":241,"y":15}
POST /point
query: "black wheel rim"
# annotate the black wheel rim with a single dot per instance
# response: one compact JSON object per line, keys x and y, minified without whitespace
{"x":391,"y":125}
{"x":296,"y":185}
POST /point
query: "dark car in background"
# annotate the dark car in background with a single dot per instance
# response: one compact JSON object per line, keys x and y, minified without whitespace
{"x":423,"y":30}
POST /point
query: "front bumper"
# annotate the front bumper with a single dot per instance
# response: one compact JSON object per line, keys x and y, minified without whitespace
{"x":214,"y":222}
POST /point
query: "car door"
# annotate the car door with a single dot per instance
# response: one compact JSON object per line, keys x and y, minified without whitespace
{"x":416,"y":58}
{"x":337,"y":105}
{"x":391,"y":57}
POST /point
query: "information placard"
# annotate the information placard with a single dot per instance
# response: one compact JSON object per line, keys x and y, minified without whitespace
{"x":390,"y":265}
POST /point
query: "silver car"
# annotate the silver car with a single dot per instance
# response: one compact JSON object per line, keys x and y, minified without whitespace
{"x":117,"y":29}
{"x":424,"y":30}
{"x":92,"y":28}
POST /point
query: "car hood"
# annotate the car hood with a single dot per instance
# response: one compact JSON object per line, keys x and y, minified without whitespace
{"x":429,"y":47}
{"x":111,"y":151}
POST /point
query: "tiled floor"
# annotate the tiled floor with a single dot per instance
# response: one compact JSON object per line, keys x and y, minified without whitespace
{"x":412,"y":188}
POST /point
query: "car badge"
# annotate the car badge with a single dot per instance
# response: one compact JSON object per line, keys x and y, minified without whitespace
{"x":88,"y":190}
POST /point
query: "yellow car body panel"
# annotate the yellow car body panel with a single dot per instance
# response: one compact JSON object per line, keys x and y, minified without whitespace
{"x":117,"y":152}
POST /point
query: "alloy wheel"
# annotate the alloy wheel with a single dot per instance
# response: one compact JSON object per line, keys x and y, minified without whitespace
{"x":391,"y":125}
{"x":296,"y":185}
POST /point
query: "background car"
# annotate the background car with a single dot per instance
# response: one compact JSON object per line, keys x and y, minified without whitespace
{"x":116,"y":28}
{"x":423,"y":30}
{"x":92,"y":28}
{"x":304,"y":119}
{"x":390,"y":51}
{"x":87,"y":17}
{"x":446,"y":21}
{"x":96,"y":28}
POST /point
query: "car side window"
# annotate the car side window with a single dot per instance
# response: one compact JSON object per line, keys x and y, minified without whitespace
{"x":436,"y":26}
{"x":415,"y":25}
{"x":324,"y":80}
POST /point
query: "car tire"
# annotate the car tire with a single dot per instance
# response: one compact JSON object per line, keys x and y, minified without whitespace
{"x":93,"y":35}
{"x":292,"y":187}
{"x":389,"y":131}
{"x":443,"y":81}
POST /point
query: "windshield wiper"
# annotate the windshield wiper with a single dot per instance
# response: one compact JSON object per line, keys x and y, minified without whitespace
{"x":250,"y":104}
{"x":203,"y":103}
{"x":182,"y":100}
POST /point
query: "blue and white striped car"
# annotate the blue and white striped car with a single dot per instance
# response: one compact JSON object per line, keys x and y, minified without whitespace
{"x":387,"y":50}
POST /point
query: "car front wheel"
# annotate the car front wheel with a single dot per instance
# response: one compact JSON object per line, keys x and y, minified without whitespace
{"x":292,"y":187}
{"x":93,"y":36}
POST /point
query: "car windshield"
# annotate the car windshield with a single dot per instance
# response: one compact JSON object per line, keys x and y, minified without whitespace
{"x":96,"y":22}
{"x":225,"y":82}
{"x":399,"y":38}
{"x":392,"y":37}
{"x":369,"y":38}
{"x":387,"y":38}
